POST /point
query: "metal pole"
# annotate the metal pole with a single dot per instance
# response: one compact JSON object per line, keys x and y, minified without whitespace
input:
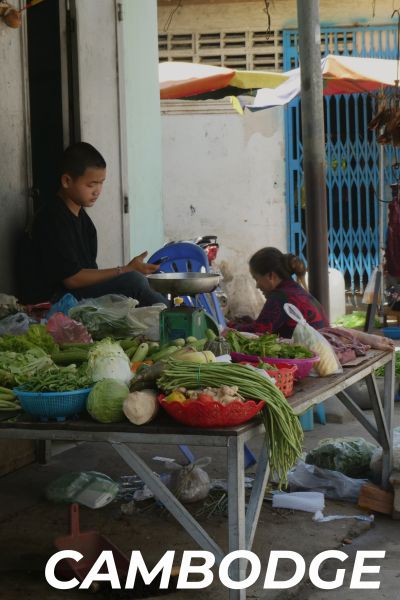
{"x":382,"y":206}
{"x":313,"y":136}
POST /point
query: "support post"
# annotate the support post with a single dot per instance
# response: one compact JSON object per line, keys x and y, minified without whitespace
{"x":313,"y":136}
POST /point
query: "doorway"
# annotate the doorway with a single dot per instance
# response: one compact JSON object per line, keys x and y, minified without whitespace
{"x":53,"y":93}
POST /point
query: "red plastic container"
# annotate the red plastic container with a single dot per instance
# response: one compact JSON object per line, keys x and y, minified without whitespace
{"x":304,"y":365}
{"x":90,"y":544}
{"x":212,"y":414}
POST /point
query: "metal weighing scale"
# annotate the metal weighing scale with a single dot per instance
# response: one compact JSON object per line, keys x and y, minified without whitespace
{"x":182,"y":321}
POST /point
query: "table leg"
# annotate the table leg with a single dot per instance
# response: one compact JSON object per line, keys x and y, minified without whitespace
{"x":257,"y":495}
{"x":43,"y":451}
{"x":236,"y":512}
{"x":388,"y":408}
{"x":169,"y":500}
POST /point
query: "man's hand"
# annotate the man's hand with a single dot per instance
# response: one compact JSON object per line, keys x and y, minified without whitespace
{"x":137,"y":264}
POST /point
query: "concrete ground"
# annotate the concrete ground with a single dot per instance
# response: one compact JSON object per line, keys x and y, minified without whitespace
{"x":29,"y":524}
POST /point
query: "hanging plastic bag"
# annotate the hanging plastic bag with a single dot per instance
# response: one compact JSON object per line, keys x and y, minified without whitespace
{"x":309,"y":337}
{"x":89,"y":488}
{"x":64,"y":330}
{"x":369,"y":292}
{"x":333,"y":484}
{"x":189,"y":483}
{"x":349,"y":455}
{"x":63,"y":305}
{"x":117,"y":316}
{"x":15,"y":324}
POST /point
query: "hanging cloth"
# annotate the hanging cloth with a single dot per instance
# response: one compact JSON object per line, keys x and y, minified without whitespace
{"x":393,"y":235}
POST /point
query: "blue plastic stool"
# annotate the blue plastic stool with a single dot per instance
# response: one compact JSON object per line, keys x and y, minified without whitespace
{"x":319,"y":413}
{"x":316,"y":413}
{"x":307,"y":420}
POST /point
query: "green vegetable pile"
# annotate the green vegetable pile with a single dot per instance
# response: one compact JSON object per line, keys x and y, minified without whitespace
{"x":283,"y":427}
{"x":15,"y":367}
{"x":356,"y":320}
{"x":36,"y":337}
{"x":58,"y":379}
{"x":350,"y":456}
{"x":266,"y":345}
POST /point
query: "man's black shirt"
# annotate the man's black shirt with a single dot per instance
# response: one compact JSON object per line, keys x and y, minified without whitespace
{"x":63,"y":245}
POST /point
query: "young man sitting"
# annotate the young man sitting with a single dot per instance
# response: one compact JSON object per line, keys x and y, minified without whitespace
{"x":65,"y":239}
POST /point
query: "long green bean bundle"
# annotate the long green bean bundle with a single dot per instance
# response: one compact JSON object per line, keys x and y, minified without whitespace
{"x":285,"y":435}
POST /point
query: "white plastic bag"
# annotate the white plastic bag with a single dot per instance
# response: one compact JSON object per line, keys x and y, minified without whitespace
{"x":333,"y":484}
{"x":117,"y":316}
{"x":189,"y":483}
{"x":309,"y":337}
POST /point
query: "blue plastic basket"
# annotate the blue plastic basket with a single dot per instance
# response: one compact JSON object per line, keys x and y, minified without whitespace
{"x":391,"y":332}
{"x":55,"y":405}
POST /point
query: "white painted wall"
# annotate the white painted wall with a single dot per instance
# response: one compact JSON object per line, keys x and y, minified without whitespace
{"x":13,"y":171}
{"x":224,"y":174}
{"x":98,"y":83}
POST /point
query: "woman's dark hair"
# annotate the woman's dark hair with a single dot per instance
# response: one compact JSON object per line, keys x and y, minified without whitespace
{"x":272,"y":260}
{"x":79,"y":157}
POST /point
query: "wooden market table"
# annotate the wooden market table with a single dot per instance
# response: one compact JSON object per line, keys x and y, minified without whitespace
{"x":242,"y":522}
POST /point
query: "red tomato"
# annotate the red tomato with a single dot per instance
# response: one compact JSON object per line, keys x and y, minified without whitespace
{"x":205,"y":398}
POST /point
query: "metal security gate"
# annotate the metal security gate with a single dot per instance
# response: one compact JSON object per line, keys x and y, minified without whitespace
{"x":352,"y":159}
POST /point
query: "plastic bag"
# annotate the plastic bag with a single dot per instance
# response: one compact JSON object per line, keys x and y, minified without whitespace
{"x":368,"y":297}
{"x":333,"y":484}
{"x":309,"y":337}
{"x":117,"y":316}
{"x":64,"y":305}
{"x":15,"y":324}
{"x":376,"y":459}
{"x":349,"y":455}
{"x":307,"y":501}
{"x":189,"y":483}
{"x":64,"y":330}
{"x":147,"y":319}
{"x":8,"y":305}
{"x":89,"y":488}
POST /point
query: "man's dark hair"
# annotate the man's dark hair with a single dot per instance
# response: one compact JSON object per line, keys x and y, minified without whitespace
{"x":79,"y":157}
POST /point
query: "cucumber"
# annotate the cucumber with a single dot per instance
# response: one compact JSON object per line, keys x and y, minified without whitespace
{"x":199,"y":344}
{"x":132,"y":350}
{"x":164,"y":352}
{"x":6,"y":393}
{"x":127,"y":343}
{"x":140,"y":353}
{"x":7,"y":405}
{"x":69,"y":357}
{"x":210,"y":335}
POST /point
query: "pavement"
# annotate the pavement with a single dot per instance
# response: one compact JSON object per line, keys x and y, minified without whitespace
{"x":29,"y":524}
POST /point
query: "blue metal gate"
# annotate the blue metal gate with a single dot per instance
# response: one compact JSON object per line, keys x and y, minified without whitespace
{"x":352,"y":159}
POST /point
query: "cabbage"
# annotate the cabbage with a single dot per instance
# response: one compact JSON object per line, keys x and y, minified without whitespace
{"x":105,"y":401}
{"x":107,"y":360}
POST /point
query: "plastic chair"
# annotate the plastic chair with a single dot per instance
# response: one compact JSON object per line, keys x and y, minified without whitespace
{"x":187,"y":257}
